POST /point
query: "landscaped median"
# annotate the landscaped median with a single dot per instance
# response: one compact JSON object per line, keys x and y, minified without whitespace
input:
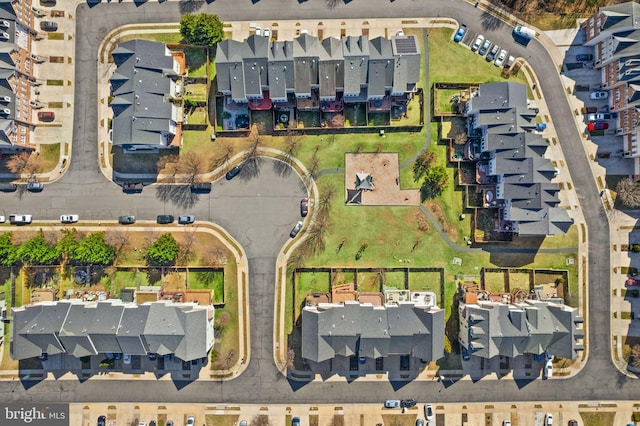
{"x":208,"y":263}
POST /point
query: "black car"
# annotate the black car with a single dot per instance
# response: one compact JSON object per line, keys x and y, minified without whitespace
{"x":233,"y":173}
{"x":102,"y":421}
{"x":164,"y":219}
{"x":201,"y":187}
{"x":295,"y":230}
{"x":126,"y":220}
{"x":304,"y":207}
{"x":406,"y":403}
{"x":48,"y":26}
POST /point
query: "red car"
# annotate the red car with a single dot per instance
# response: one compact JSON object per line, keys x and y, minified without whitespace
{"x":597,"y":125}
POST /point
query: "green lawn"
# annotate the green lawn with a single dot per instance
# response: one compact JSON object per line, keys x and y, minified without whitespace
{"x":196,"y":58}
{"x":208,"y":280}
{"x":49,"y":157}
{"x":452,"y":62}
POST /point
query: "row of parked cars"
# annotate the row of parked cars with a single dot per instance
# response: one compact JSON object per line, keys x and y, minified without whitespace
{"x":492,"y":51}
{"x":164,"y":219}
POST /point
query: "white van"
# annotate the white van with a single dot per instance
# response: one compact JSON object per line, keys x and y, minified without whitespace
{"x":548,"y":419}
{"x":525,"y":32}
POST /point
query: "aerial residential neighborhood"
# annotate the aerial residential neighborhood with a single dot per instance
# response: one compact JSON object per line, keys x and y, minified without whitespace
{"x":319,"y":213}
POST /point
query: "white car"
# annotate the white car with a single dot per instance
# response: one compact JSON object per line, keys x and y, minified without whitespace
{"x":500,"y":59}
{"x":548,"y":420}
{"x":69,"y":218}
{"x":20,"y":219}
{"x":476,"y":44}
{"x":392,"y":403}
{"x":267,"y":32}
{"x":258,"y":31}
{"x":400,"y":33}
{"x":547,"y":373}
{"x":191,"y":421}
{"x":599,"y":95}
{"x":2,"y":219}
{"x":428,"y":412}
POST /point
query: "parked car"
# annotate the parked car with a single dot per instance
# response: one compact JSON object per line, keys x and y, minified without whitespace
{"x":400,"y":33}
{"x":126,"y":359}
{"x":102,"y":421}
{"x":258,"y":31}
{"x":460,"y":33}
{"x":243,"y":423}
{"x":35,"y":186}
{"x":587,"y":110}
{"x":126,"y":220}
{"x":492,"y":53}
{"x":598,"y":125}
{"x":142,"y":424}
{"x":8,"y":187}
{"x":600,"y":94}
{"x":548,"y":419}
{"x":547,"y":373}
{"x":164,"y":219}
{"x":408,"y":403}
{"x":506,"y":423}
{"x":267,"y":33}
{"x":428,"y":412}
{"x":485,"y":46}
{"x":304,"y":207}
{"x":500,"y":59}
{"x":477,"y":43}
{"x":295,"y":230}
{"x":152,"y":423}
{"x":601,"y":116}
{"x":191,"y":421}
{"x":201,"y":187}
{"x":509,"y":62}
{"x":186,"y":220}
{"x":132,"y":187}
{"x":575,"y":423}
{"x":48,"y":26}
{"x":20,"y":219}
{"x":419,"y":422}
{"x":295,"y":421}
{"x":392,"y":403}
{"x":233,"y":172}
{"x":584,"y":57}
{"x":69,"y":218}
{"x":46,"y":116}
{"x":2,"y":219}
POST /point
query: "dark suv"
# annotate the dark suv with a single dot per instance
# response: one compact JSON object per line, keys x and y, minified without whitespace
{"x":164,"y":219}
{"x":233,"y":173}
{"x":126,"y":220}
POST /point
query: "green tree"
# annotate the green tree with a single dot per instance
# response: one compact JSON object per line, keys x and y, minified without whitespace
{"x":435,"y":181}
{"x":423,"y":163}
{"x":93,"y":250}
{"x":202,"y":29}
{"x":8,"y":252}
{"x":36,"y":251}
{"x":163,"y":251}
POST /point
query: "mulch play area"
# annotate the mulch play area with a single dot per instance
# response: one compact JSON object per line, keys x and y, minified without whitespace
{"x":373,"y":179}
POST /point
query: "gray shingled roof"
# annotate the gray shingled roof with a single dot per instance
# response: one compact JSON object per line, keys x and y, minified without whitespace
{"x":330,"y":68}
{"x":230,"y":70}
{"x":489,"y":329}
{"x":82,"y":329}
{"x":255,"y":51}
{"x":356,"y":64}
{"x":353,"y":328}
{"x":280,"y":69}
{"x":621,"y":16}
{"x":306,"y":51}
{"x":406,"y":71}
{"x":140,"y":86}
{"x":381,"y":65}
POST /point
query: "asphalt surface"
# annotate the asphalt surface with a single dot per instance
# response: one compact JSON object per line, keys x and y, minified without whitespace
{"x":245,"y":210}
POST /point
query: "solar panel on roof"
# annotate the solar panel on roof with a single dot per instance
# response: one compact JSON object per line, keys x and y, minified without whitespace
{"x":406,"y":45}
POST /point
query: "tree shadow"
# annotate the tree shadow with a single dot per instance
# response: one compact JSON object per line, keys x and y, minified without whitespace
{"x":282,"y":165}
{"x":490,"y":22}
{"x":332,"y":4}
{"x":251,"y":168}
{"x":179,"y":195}
{"x":190,"y":6}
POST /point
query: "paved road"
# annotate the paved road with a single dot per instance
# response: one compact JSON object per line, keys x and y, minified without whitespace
{"x":83,"y":184}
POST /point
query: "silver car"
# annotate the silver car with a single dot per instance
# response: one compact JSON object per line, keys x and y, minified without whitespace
{"x":477,"y":43}
{"x":500,"y":59}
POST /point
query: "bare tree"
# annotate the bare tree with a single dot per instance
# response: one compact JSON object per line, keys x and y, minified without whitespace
{"x":251,"y":159}
{"x":186,"y":241}
{"x":24,"y":163}
{"x":214,"y":255}
{"x":222,"y":156}
{"x":326,"y":198}
{"x":117,"y":238}
{"x":297,"y":257}
{"x":460,"y":139}
{"x":634,"y":358}
{"x":337,"y":420}
{"x":191,"y":164}
{"x":261,"y":420}
{"x":291,"y":358}
{"x":629,"y":192}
